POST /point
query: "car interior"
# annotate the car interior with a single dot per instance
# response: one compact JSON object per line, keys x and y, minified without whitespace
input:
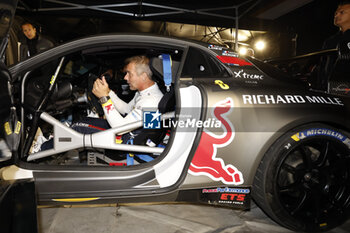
{"x":59,"y":93}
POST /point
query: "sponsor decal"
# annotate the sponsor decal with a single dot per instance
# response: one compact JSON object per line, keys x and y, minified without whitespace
{"x":343,"y":88}
{"x":117,"y":164}
{"x":245,"y":75}
{"x":118,"y":139}
{"x":339,"y":89}
{"x":226,"y":190}
{"x":53,"y":79}
{"x":222,"y":84}
{"x":227,"y":197}
{"x":233,"y":197}
{"x":229,"y":53}
{"x":151,"y":120}
{"x":18,"y":127}
{"x":7,"y":128}
{"x":321,"y":131}
{"x":109,"y":108}
{"x":235,"y":61}
{"x":290,"y":99}
{"x":215,"y":47}
{"x":205,"y":160}
{"x":81,"y":124}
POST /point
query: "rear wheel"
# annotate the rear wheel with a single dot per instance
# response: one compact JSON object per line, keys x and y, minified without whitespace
{"x":303,"y":181}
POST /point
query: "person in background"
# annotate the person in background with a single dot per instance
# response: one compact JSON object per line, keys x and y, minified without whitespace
{"x":341,"y":41}
{"x":34,"y":43}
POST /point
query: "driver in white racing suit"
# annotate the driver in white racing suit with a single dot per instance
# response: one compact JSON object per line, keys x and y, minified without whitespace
{"x":138,"y":75}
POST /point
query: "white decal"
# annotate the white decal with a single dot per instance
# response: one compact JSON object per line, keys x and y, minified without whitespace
{"x":244,"y":75}
{"x":290,"y":99}
{"x":229,"y":53}
{"x":215,"y":47}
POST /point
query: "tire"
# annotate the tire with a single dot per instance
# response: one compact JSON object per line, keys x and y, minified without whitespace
{"x":303,"y":181}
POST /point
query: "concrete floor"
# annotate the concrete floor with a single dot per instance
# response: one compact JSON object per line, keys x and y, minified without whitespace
{"x":165,"y":218}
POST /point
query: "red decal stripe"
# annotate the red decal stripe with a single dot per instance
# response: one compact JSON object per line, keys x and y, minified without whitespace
{"x":96,"y":127}
{"x":117,"y":164}
{"x":234,"y":60}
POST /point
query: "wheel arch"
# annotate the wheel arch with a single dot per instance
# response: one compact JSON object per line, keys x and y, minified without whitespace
{"x":265,"y":193}
{"x":282,"y":131}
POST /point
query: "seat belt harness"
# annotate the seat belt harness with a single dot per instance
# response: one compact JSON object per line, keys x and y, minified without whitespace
{"x":167,"y":76}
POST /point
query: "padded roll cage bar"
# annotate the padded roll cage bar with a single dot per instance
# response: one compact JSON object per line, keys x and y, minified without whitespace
{"x":66,"y":139}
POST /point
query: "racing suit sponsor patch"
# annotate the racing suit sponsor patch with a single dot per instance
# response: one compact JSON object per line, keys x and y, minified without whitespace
{"x":108,"y":106}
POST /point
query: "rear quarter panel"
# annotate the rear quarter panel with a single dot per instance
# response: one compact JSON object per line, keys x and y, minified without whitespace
{"x":263,"y":110}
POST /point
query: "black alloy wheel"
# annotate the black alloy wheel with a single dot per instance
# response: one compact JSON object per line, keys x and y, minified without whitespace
{"x":303,"y":181}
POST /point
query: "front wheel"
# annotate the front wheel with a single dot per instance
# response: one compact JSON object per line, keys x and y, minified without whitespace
{"x":303,"y":181}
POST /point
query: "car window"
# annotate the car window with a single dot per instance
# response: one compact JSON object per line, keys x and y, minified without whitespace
{"x":73,"y":101}
{"x":199,"y":64}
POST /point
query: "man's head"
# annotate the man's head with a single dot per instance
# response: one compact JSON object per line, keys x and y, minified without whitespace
{"x":29,"y":30}
{"x":138,"y":74}
{"x":342,"y":16}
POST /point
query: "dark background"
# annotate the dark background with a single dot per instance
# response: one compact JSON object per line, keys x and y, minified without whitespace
{"x":313,"y":23}
{"x":293,"y":32}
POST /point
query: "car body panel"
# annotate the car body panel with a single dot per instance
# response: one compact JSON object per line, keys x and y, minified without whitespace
{"x":262,"y":109}
{"x":263,"y":112}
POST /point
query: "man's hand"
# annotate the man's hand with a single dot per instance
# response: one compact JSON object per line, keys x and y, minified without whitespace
{"x":100,"y":87}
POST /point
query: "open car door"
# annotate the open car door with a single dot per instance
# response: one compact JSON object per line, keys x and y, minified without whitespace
{"x":17,"y":198}
{"x":10,"y":126}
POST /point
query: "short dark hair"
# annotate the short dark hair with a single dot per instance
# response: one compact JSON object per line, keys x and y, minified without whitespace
{"x":28,"y":23}
{"x":344,"y":2}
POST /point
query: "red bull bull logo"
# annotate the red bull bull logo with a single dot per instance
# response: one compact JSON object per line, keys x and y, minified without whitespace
{"x":205,"y":161}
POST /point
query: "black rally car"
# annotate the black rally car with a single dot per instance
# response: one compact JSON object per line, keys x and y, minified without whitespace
{"x":231,"y":129}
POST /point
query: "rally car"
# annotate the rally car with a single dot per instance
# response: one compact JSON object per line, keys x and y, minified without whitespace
{"x":229,"y":130}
